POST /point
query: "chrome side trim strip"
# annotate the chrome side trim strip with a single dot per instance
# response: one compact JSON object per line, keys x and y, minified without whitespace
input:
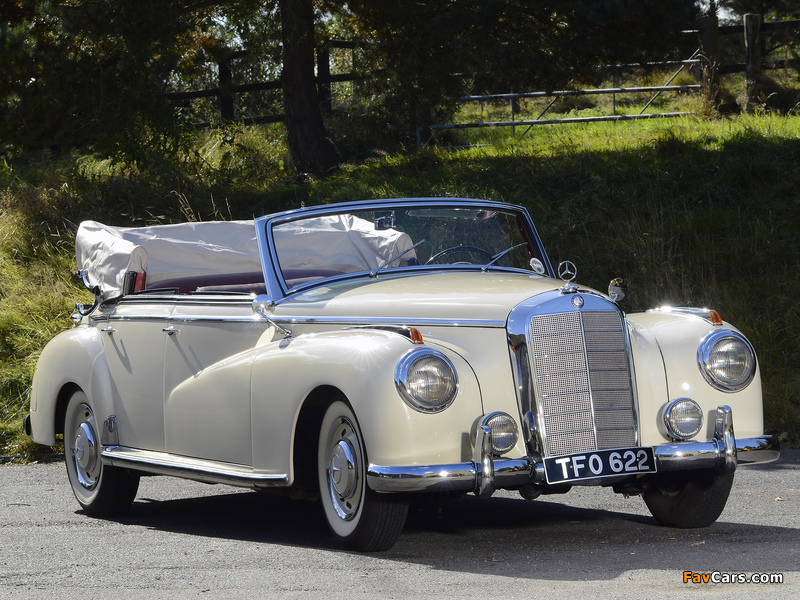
{"x":179,"y":318}
{"x":197,"y":298}
{"x":340,"y":321}
{"x":394,"y":321}
{"x":399,"y":330}
{"x":208,"y":471}
{"x":684,"y":310}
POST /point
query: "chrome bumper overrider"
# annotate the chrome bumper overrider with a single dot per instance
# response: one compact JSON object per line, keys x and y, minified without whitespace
{"x":484,"y":473}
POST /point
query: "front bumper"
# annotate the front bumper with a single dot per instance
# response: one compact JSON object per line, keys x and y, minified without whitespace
{"x":484,"y":473}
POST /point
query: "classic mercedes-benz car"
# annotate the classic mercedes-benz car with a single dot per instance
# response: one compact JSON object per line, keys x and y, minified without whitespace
{"x":368,"y":352}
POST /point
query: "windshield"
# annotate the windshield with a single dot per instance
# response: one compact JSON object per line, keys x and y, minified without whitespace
{"x":318,"y":247}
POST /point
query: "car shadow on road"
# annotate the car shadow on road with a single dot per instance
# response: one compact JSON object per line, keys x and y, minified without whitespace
{"x":245,"y":516}
{"x":545,"y":539}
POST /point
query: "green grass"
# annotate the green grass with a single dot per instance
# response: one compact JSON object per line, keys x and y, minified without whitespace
{"x":690,"y":211}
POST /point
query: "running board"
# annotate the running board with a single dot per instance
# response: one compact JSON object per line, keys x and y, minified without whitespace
{"x":207,"y":471}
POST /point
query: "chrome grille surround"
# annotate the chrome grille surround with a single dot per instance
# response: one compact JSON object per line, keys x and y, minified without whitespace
{"x":574,"y":374}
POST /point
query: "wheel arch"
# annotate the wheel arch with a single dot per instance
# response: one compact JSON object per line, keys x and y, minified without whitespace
{"x":62,"y":399}
{"x":306,"y":435}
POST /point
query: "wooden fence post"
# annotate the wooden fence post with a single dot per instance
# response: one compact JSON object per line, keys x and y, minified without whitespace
{"x":709,"y":48}
{"x":752,"y":45}
{"x":423,"y":118}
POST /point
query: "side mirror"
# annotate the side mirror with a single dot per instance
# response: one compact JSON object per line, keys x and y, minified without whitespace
{"x":617,"y":289}
{"x":261,"y":305}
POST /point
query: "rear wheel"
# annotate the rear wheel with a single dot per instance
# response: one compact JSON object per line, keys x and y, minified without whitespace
{"x":101,"y":490}
{"x":689,"y":499}
{"x":359,"y":517}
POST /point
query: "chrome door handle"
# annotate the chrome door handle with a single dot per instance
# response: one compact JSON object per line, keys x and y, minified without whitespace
{"x":171,"y":330}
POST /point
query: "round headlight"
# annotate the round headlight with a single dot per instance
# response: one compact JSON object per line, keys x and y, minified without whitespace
{"x":426,"y":380}
{"x":727,"y":360}
{"x":683,"y":418}
{"x":504,"y":431}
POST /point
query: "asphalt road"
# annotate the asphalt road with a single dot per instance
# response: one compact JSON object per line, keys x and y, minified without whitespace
{"x":190,"y":540}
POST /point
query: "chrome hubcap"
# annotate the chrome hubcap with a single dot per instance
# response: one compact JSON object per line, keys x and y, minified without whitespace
{"x":344,"y":467}
{"x":85,"y":451}
{"x":85,"y":456}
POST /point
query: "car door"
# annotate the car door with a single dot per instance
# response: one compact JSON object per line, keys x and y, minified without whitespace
{"x":208,"y":362}
{"x":134,"y":341}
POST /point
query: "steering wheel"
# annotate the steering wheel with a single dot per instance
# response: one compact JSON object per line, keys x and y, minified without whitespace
{"x":454,"y":249}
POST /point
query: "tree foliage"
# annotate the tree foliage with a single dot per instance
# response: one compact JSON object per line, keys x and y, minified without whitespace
{"x":93,"y":72}
{"x":435,"y":49}
{"x":80,"y":72}
{"x":770,"y":9}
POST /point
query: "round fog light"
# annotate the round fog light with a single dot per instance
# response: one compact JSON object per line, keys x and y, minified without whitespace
{"x":683,"y":418}
{"x":504,"y":431}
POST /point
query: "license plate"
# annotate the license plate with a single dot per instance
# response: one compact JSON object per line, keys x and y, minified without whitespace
{"x":599,"y":463}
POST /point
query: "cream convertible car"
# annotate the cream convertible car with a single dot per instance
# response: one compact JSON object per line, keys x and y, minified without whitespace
{"x":369,"y":351}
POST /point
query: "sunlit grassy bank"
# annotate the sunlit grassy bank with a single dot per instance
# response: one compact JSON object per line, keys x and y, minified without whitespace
{"x":689,"y":211}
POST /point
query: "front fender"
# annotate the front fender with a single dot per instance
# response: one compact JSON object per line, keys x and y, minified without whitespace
{"x":677,"y":338}
{"x":73,"y":358}
{"x":360,"y":364}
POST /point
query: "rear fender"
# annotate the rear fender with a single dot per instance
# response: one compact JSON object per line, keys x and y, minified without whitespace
{"x":72,"y":360}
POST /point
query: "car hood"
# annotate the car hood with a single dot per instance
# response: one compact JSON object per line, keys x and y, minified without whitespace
{"x":451,"y":295}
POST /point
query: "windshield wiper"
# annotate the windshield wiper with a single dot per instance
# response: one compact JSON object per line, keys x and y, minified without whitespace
{"x":500,"y":255}
{"x":395,"y":257}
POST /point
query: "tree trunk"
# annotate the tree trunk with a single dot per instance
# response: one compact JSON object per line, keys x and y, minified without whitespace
{"x":311,"y":150}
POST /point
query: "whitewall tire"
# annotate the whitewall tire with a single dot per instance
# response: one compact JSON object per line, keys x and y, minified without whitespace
{"x":359,"y":517}
{"x":101,"y":490}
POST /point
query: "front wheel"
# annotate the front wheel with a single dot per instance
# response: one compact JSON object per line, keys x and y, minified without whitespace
{"x":689,"y":499}
{"x":101,"y":490}
{"x":359,"y":517}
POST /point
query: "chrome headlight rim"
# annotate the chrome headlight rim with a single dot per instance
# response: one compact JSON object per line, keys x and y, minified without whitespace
{"x":704,"y":360}
{"x":401,"y":372}
{"x":672,"y":431}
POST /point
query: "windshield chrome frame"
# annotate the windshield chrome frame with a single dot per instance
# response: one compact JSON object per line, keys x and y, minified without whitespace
{"x":276,"y":286}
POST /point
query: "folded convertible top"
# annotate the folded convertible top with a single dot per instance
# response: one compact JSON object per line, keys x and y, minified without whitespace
{"x":165,"y":252}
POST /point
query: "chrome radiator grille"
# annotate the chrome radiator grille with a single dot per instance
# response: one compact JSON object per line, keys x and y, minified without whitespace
{"x":582,"y":381}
